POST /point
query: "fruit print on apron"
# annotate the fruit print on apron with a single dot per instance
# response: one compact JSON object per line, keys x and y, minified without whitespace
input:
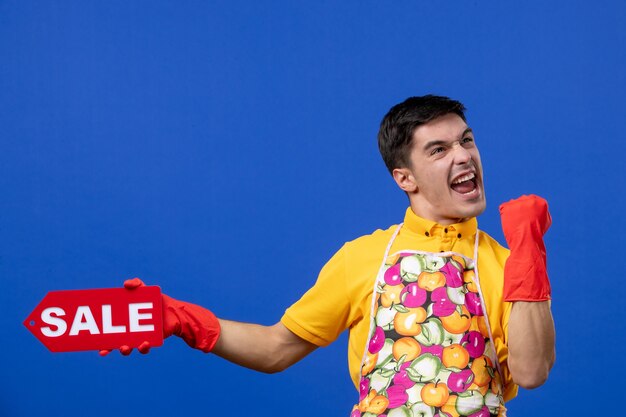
{"x":430,"y":350}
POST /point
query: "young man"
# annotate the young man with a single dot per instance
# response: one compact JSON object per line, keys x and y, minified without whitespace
{"x":443,"y":320}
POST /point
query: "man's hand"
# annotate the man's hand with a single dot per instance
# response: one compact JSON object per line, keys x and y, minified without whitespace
{"x":197,"y":326}
{"x":130,"y":284}
{"x":524,"y":222}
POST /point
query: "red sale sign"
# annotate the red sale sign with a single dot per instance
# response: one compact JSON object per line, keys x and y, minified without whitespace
{"x":108,"y":318}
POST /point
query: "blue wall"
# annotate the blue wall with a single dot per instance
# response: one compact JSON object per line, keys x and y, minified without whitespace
{"x":224,"y":150}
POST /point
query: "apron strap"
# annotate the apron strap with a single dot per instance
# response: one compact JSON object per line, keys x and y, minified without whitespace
{"x":393,"y":237}
{"x":379,"y":278}
{"x":484,"y":305}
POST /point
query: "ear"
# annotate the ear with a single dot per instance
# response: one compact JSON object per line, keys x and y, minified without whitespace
{"x":405,"y":180}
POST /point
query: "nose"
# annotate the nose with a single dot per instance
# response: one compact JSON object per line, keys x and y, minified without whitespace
{"x":461,"y":155}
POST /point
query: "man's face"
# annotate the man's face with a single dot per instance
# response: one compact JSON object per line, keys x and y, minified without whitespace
{"x":444,"y":180}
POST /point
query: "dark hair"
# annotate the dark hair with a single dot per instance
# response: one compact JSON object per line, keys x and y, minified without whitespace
{"x":397,"y":127}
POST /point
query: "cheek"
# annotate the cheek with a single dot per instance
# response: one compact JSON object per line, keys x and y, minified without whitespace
{"x":432,"y":178}
{"x":435,"y":184}
{"x":439,"y":175}
{"x":476,"y":158}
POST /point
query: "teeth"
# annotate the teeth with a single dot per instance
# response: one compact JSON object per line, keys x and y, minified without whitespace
{"x":464,"y":178}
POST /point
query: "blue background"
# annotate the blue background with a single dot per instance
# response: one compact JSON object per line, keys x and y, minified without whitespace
{"x":224,"y":150}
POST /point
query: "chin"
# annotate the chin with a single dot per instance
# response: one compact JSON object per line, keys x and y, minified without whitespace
{"x":474,"y":210}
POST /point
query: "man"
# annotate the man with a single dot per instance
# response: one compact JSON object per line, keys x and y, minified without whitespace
{"x":442,"y":319}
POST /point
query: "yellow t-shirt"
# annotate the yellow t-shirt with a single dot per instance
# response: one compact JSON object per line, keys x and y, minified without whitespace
{"x":342,"y":296}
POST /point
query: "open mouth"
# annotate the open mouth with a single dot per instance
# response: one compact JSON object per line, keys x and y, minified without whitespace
{"x":465,"y":184}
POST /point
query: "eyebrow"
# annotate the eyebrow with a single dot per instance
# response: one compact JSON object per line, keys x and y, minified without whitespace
{"x":438,"y":142}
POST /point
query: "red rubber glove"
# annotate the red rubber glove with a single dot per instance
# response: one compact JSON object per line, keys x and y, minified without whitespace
{"x":196,"y":325}
{"x":524,"y":222}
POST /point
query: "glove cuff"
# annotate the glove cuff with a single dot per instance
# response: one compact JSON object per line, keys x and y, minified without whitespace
{"x":196,"y":325}
{"x":526,"y":280}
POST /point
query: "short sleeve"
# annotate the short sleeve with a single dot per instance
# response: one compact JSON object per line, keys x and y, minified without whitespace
{"x":511,"y":388}
{"x":321,"y":315}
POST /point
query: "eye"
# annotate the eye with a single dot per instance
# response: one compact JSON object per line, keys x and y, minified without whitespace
{"x":437,"y":150}
{"x":467,"y":140}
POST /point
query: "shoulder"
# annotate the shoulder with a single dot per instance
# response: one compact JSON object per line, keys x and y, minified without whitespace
{"x":489,"y":246}
{"x":364,"y":253}
{"x":360,"y":252}
{"x":371,"y":242}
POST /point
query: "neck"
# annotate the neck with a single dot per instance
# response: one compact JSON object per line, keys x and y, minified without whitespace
{"x":444,"y":221}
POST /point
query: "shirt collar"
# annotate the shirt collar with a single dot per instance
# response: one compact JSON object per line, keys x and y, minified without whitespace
{"x":425,"y":227}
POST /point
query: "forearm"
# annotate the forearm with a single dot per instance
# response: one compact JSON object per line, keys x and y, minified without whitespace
{"x":267,"y":349}
{"x":531,"y":339}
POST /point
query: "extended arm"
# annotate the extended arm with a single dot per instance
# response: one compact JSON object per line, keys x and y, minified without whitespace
{"x":267,"y":349}
{"x":531,"y":334}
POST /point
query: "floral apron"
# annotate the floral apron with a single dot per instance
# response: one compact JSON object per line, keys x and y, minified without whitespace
{"x":430,"y":350}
